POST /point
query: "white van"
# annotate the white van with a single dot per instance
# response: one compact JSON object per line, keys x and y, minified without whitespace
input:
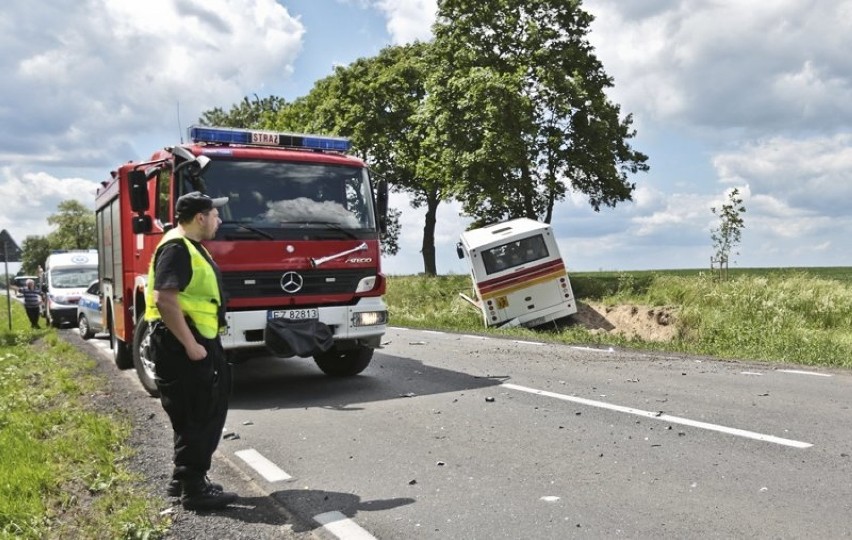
{"x":66,"y":276}
{"x":518,"y":275}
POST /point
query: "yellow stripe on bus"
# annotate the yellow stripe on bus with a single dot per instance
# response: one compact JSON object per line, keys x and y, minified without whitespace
{"x":524,"y":285}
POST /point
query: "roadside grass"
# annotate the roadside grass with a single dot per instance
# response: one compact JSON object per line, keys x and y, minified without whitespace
{"x":62,"y":472}
{"x":801,"y":316}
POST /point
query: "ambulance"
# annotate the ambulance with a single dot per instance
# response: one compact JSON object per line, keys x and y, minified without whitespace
{"x":67,"y":274}
{"x":519,"y":278}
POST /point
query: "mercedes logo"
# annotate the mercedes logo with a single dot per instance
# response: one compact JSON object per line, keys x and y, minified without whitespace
{"x":291,"y":282}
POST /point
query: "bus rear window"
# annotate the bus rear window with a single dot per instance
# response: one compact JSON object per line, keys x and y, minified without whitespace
{"x":514,"y":253}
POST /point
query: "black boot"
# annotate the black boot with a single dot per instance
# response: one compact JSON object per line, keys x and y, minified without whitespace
{"x":199,"y":495}
{"x":175,"y":488}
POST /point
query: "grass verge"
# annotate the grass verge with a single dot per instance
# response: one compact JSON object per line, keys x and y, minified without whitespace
{"x":62,"y":462}
{"x":785,"y":315}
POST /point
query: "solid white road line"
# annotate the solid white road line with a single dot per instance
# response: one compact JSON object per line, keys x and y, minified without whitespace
{"x":662,"y":417}
{"x":527,"y":342}
{"x":342,"y":527}
{"x":591,"y":349}
{"x":270,"y":471}
{"x":799,"y":372}
{"x":471,"y":336}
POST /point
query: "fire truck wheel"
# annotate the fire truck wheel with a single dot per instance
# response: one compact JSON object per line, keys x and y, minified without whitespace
{"x":85,"y":329}
{"x":120,"y":351}
{"x":142,"y":357}
{"x":345,"y":363}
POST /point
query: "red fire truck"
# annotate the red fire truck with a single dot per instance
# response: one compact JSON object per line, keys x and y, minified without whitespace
{"x":298,"y":246}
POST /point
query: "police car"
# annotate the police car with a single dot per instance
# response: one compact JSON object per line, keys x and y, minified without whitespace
{"x":89,"y":318}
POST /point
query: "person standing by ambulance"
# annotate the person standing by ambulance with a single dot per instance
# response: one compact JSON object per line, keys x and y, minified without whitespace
{"x":185,"y":307}
{"x":32,"y":302}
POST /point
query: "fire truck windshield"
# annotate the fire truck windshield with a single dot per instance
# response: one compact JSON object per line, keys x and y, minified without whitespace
{"x":268,"y":195}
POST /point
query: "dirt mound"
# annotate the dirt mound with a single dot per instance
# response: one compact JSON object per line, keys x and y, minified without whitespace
{"x":631,"y":321}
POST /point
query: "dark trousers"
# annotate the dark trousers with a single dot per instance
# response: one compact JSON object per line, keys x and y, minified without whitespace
{"x":33,"y":313}
{"x":195,"y":396}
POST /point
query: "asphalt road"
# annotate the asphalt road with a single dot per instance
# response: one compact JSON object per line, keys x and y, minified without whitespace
{"x":456,"y":436}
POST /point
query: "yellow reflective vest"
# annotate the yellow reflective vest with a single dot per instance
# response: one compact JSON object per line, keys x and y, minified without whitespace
{"x":200,"y":300}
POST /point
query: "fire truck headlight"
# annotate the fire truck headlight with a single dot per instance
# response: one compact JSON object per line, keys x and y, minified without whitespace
{"x":369,"y":318}
{"x":366,"y":284}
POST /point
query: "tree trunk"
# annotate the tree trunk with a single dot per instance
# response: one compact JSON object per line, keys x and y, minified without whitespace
{"x":428,"y":249}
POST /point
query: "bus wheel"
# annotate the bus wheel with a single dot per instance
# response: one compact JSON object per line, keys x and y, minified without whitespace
{"x":142,"y":357}
{"x":345,"y":363}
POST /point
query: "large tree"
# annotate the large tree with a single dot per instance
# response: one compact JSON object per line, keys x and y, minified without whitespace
{"x":377,"y":102}
{"x":519,"y":110}
{"x":34,"y":252}
{"x":75,"y":227}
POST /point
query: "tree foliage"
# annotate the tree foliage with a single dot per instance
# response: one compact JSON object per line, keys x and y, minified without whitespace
{"x":75,"y":227}
{"x":34,"y":251}
{"x":519,"y":111}
{"x":376,"y":102}
{"x":728,"y":234}
{"x":247,"y":113}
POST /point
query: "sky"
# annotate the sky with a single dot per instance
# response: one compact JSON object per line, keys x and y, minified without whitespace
{"x":725,"y":94}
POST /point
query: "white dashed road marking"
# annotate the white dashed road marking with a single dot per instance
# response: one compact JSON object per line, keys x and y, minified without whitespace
{"x":342,"y":527}
{"x":268,"y":470}
{"x":662,"y":417}
{"x":798,"y":372}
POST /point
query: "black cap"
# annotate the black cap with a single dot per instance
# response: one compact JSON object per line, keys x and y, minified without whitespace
{"x":194,"y":202}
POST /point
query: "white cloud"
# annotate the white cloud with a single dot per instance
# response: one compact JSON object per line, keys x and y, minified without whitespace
{"x":96,"y":75}
{"x":30,"y":197}
{"x":812,"y":175}
{"x":408,"y":20}
{"x":729,"y":63}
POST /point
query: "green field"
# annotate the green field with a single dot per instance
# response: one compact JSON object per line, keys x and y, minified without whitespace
{"x":791,"y":315}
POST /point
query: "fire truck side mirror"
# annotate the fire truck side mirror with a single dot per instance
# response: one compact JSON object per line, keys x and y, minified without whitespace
{"x":138,"y":191}
{"x":142,"y":224}
{"x":382,"y":205}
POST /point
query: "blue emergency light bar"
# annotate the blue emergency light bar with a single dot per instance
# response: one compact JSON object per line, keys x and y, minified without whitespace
{"x":267,"y":138}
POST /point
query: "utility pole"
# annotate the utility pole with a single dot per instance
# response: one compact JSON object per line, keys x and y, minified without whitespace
{"x":8,"y":289}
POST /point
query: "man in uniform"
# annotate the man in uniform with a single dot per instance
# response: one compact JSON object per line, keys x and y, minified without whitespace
{"x":185,"y":308}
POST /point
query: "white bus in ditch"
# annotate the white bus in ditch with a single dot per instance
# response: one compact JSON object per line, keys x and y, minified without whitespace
{"x":518,"y":276}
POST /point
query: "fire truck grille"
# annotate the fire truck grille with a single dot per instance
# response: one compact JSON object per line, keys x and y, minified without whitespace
{"x":258,"y":284}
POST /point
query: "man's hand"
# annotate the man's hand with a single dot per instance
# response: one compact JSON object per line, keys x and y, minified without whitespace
{"x":196,"y":352}
{"x":169,"y":307}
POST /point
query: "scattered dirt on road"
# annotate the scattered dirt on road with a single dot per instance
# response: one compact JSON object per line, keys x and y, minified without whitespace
{"x":631,"y":321}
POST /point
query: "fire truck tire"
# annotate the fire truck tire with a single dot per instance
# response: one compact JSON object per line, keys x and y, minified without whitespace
{"x":347,"y":363}
{"x":142,"y":357}
{"x":120,"y":351}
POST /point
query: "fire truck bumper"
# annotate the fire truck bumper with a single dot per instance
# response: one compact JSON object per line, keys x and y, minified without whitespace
{"x":364,"y":322}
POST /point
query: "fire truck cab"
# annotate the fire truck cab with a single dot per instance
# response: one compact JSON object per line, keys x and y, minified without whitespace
{"x":298,"y":246}
{"x":518,"y":276}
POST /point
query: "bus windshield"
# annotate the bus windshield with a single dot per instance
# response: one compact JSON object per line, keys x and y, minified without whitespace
{"x":264,"y":194}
